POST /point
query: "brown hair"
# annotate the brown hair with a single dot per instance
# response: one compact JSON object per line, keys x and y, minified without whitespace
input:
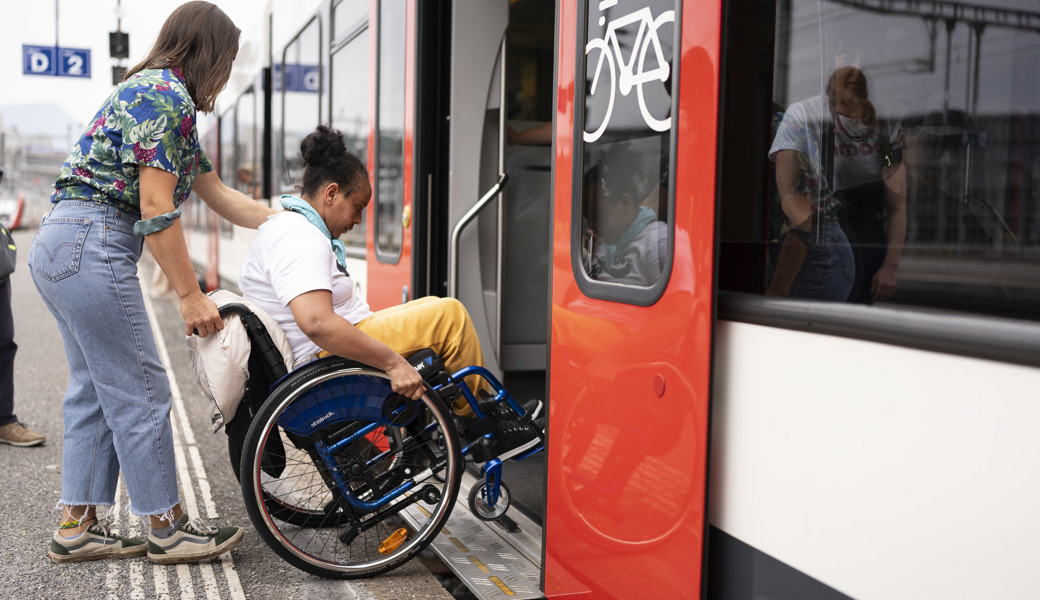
{"x":202,"y":41}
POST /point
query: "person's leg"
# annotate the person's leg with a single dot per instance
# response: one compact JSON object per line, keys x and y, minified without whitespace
{"x":64,"y":257}
{"x":444,"y":326}
{"x":440,"y":324}
{"x":11,"y":430}
{"x":7,"y":352}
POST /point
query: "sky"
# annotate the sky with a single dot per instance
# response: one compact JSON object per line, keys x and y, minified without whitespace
{"x":61,"y":106}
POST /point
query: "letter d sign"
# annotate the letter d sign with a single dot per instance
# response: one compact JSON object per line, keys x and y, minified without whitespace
{"x":38,"y":60}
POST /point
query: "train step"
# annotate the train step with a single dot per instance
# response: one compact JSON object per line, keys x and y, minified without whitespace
{"x":495,"y":560}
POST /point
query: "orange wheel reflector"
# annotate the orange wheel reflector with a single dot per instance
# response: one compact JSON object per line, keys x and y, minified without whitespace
{"x":392,"y":542}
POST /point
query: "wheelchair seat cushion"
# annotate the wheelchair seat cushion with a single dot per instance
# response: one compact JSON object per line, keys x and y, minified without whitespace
{"x":221,"y":361}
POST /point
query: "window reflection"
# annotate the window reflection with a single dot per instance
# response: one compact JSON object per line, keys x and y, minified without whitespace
{"x":298,"y":80}
{"x":904,"y":154}
{"x":350,"y":109}
{"x":227,"y":161}
{"x":627,"y":124}
{"x":247,"y":174}
{"x":389,"y":193}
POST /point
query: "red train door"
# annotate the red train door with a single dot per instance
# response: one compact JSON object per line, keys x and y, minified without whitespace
{"x":632,"y":298}
{"x":389,"y":235}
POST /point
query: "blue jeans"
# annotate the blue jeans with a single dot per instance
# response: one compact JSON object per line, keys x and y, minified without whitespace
{"x":117,"y":408}
{"x":829,"y":268}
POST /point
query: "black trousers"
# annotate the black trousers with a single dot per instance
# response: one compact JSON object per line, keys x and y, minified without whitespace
{"x":7,"y":352}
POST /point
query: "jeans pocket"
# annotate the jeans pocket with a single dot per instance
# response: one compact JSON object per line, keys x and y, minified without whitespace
{"x":58,"y":247}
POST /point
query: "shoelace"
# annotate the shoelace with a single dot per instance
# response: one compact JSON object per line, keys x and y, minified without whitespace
{"x":199,"y":527}
{"x":102,"y":527}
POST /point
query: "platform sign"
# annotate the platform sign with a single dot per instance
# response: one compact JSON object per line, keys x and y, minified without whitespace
{"x":55,"y":61}
{"x":298,"y":78}
{"x":38,"y":60}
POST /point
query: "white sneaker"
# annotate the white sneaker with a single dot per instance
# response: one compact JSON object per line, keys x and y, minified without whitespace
{"x":193,"y":541}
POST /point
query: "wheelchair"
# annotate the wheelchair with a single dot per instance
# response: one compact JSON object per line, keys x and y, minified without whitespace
{"x":342,"y":477}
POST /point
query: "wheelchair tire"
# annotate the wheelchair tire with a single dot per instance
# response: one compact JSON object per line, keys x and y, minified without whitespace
{"x":321,"y":498}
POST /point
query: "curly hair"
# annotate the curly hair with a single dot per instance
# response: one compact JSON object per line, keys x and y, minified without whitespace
{"x":326,"y":160}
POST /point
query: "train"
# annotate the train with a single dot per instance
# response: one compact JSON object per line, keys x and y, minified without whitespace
{"x":601,"y":183}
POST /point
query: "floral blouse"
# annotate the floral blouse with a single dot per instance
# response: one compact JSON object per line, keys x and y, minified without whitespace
{"x":148,"y":120}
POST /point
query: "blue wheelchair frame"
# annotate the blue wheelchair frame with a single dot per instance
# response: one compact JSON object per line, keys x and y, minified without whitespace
{"x":366,"y":397}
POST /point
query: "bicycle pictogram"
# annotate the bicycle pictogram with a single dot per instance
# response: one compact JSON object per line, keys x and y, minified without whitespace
{"x":633,"y":72}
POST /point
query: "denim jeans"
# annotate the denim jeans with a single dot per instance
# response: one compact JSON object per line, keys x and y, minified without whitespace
{"x":829,"y":268}
{"x":117,"y":408}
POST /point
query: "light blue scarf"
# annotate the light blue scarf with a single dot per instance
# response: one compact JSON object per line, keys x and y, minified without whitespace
{"x":644,"y":217}
{"x":301,"y":206}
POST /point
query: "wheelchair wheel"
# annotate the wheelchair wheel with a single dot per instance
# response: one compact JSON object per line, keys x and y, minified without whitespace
{"x":342,"y":478}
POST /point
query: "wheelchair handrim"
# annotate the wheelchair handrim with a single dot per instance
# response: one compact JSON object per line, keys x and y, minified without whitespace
{"x":435,"y":521}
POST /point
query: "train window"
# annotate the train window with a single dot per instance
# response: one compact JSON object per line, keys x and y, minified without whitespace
{"x":349,"y":68}
{"x":298,"y":77}
{"x":389,"y":193}
{"x":227,"y":161}
{"x":622,"y":230}
{"x":247,"y":158}
{"x":348,"y":17}
{"x":903,"y":163}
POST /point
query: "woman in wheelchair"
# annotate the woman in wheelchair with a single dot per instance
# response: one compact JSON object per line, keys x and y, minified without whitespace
{"x":296,"y":271}
{"x":352,"y":463}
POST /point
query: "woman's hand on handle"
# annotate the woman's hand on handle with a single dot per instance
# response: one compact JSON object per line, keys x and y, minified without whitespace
{"x":200,"y":314}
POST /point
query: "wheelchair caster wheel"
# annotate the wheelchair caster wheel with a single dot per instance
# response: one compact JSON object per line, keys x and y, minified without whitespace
{"x":480,"y":507}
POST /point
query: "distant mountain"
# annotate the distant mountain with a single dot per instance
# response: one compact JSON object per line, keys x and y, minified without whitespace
{"x":41,"y":119}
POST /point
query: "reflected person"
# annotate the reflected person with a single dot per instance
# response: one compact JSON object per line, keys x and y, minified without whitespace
{"x":629,"y":243}
{"x":944,"y":214}
{"x":810,"y":257}
{"x":868,"y":183}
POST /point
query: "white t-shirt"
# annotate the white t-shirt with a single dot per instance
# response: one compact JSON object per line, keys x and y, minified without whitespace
{"x":291,"y":257}
{"x":856,"y":160}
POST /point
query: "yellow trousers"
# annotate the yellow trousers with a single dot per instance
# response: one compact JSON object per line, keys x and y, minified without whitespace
{"x":440,"y":324}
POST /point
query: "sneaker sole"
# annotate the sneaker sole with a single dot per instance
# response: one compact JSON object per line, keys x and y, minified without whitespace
{"x":23,"y":444}
{"x":129,"y":552}
{"x":537,"y":411}
{"x":173,"y":559}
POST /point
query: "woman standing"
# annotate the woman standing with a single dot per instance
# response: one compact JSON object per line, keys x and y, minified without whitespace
{"x":119,"y":189}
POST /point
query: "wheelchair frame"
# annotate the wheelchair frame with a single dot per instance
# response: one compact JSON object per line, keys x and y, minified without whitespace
{"x":336,"y":423}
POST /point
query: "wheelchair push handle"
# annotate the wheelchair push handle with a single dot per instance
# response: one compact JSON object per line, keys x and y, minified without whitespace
{"x":233,"y":308}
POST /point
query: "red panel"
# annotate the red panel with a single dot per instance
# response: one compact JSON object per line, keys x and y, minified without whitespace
{"x":385,"y":281}
{"x":627,"y":451}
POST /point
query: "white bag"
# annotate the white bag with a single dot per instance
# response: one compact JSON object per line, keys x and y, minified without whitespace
{"x":221,"y":361}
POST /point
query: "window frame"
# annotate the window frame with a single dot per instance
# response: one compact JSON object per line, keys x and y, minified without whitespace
{"x":390,"y":257}
{"x":359,"y":27}
{"x":603,"y":290}
{"x":316,"y":19}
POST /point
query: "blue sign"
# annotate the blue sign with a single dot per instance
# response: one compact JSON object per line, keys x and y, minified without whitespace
{"x":38,"y":60}
{"x":53,"y":60}
{"x":298,"y":78}
{"x":74,"y":62}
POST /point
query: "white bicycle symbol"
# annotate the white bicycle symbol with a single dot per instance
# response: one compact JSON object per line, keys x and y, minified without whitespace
{"x":646,"y":39}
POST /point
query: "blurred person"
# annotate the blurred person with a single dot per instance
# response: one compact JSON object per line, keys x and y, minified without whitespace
{"x":296,"y":271}
{"x":809,"y":256}
{"x":12,"y":431}
{"x":945,"y":213}
{"x":629,"y":244}
{"x":841,"y":189}
{"x":869,"y":183}
{"x":120,"y":188}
